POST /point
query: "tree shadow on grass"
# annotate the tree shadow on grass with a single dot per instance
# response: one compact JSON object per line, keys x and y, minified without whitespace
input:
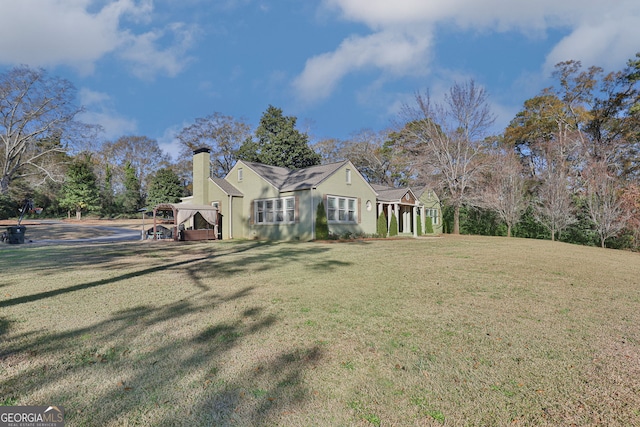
{"x":278,"y":390}
{"x":67,"y":257}
{"x":208,"y":262}
{"x":5,"y":325}
{"x":263,"y":256}
{"x":180,"y":363}
{"x":109,"y":255}
{"x":124,"y":370}
{"x":60,"y":291}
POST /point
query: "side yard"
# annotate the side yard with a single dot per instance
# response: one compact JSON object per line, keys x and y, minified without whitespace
{"x":452,"y":331}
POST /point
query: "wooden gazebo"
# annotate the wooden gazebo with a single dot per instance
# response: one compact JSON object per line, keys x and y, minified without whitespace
{"x":204,"y":221}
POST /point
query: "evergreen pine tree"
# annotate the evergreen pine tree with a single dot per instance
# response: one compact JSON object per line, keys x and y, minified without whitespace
{"x":80,"y":190}
{"x":393,"y":225}
{"x":131,"y":199}
{"x":322,"y":226}
{"x":106,"y":195}
{"x":381,"y":228}
{"x":279,"y":143}
{"x":429,"y":225}
{"x":165,"y":187}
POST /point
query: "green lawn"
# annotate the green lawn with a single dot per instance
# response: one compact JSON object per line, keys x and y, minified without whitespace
{"x":453,"y":331}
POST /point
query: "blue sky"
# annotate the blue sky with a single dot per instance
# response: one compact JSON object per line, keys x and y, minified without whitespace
{"x":151,"y":67}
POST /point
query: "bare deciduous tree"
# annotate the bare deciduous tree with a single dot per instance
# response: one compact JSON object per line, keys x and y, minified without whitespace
{"x":503,"y":189}
{"x":142,"y":153}
{"x":631,"y":204}
{"x":377,"y":158}
{"x":223,"y":135}
{"x":36,"y":124}
{"x":604,"y":202}
{"x":446,"y":139}
{"x":330,"y":150}
{"x":377,"y":155}
{"x":554,"y":204}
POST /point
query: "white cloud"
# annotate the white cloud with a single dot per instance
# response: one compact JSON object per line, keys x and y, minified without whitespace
{"x":99,"y":110}
{"x":495,"y":14}
{"x":608,"y":40}
{"x":603,"y":33}
{"x":168,"y":142}
{"x":147,"y":58}
{"x":391,"y":51}
{"x":76,"y":33}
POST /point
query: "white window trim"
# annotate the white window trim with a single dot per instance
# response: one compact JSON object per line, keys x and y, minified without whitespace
{"x":240,"y":173}
{"x":283,"y":210}
{"x":433,"y":214}
{"x":346,"y":210}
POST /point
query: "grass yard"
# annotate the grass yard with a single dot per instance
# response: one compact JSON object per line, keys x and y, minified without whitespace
{"x":455,"y":331}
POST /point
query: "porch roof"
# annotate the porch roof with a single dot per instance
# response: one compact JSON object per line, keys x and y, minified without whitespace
{"x":392,"y":195}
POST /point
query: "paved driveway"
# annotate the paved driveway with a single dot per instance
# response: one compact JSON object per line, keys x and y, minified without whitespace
{"x":37,"y":232}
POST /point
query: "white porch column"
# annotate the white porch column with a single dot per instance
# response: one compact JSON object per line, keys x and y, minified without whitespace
{"x":423,"y":219}
{"x":415,"y":221}
{"x":230,"y":217}
{"x":396,"y":208}
{"x":388,"y":217}
{"x":406,"y":223}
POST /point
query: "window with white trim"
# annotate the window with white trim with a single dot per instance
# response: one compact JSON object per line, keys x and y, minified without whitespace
{"x":433,"y":213}
{"x":240,"y":175}
{"x":275,"y":211}
{"x":342,"y":209}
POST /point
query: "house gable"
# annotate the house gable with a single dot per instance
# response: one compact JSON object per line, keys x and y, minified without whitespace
{"x":404,"y":195}
{"x":254,"y":181}
{"x":409,"y":197}
{"x":346,"y":189}
{"x":432,"y":208}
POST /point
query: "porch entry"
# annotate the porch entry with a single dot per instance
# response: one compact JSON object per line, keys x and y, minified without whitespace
{"x":406,"y":216}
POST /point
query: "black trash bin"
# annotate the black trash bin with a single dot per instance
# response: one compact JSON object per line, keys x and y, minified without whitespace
{"x":15,"y":234}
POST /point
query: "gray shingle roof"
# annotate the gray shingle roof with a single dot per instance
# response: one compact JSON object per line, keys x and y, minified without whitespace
{"x":310,"y":177}
{"x":425,"y":189}
{"x":419,"y":192}
{"x":389,"y":194}
{"x":275,"y":175}
{"x":300,"y":179}
{"x":227,"y":187}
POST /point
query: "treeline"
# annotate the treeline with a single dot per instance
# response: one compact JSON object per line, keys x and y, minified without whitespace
{"x":566,"y":168}
{"x":54,"y":161}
